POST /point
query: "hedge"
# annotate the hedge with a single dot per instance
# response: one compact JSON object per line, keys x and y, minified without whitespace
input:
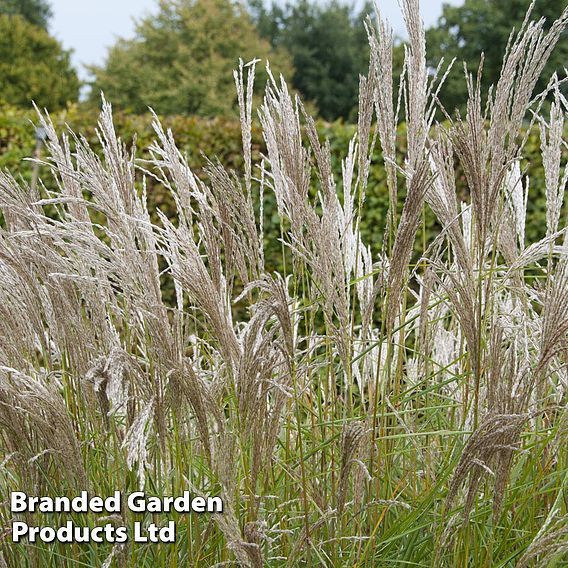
{"x":220,"y":137}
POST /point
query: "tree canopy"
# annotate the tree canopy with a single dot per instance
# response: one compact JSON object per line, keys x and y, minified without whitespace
{"x":181,"y":60}
{"x":34,"y":66}
{"x":36,"y":12}
{"x":484,"y":26}
{"x":329,"y":48}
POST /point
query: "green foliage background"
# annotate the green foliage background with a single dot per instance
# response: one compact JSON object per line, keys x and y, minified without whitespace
{"x":328,"y":45}
{"x":477,"y":27}
{"x":181,"y":59}
{"x":36,"y":12}
{"x":34,"y":66}
{"x":221,"y":137}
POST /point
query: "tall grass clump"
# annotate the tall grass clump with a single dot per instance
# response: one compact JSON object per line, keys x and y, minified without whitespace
{"x":366,"y":407}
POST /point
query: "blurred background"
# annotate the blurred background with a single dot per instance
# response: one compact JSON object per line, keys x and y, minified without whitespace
{"x":177,"y":56}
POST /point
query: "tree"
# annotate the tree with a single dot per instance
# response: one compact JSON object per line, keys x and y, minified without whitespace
{"x":37,"y":12}
{"x":329,"y":47}
{"x":483,"y":26}
{"x":181,"y":61}
{"x":34,"y":66}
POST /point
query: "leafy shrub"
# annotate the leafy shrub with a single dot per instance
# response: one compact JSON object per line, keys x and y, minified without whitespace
{"x":220,"y":138}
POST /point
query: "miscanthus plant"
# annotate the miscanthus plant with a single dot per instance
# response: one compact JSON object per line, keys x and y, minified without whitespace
{"x":368,"y":406}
